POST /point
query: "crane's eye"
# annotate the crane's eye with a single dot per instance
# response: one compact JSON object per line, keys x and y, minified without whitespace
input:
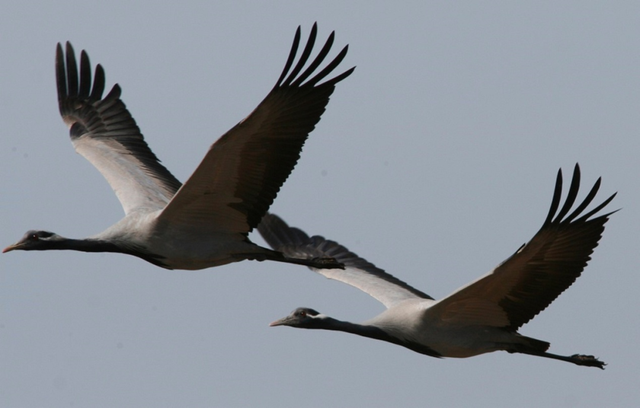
{"x":34,"y":237}
{"x":302,"y":314}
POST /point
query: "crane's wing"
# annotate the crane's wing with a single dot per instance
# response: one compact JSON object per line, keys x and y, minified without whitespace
{"x":358,"y":272}
{"x":243,"y":171}
{"x":103,"y":131}
{"x":527,"y":282}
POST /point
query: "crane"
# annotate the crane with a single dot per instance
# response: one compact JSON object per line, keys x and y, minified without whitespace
{"x":481,"y":317}
{"x":204,"y":222}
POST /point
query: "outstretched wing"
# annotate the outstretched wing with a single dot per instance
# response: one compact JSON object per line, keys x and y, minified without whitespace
{"x":527,"y":282}
{"x":358,"y":272}
{"x":103,"y":131}
{"x":243,"y":171}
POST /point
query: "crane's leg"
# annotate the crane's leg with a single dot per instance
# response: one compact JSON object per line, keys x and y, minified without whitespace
{"x":579,"y":359}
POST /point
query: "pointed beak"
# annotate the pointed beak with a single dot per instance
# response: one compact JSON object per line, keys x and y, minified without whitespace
{"x":279,"y":322}
{"x":12,"y":247}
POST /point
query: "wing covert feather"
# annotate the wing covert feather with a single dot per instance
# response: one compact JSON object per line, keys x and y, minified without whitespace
{"x":103,"y":131}
{"x":243,"y":171}
{"x":534,"y":276}
{"x":358,"y":272}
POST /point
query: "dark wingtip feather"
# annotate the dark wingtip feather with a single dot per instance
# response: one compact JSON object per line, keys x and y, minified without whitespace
{"x":114,"y":93}
{"x":561,"y":216}
{"x":291,"y":57}
{"x":574,"y":187}
{"x":74,"y":84}
{"x":72,"y":71}
{"x":85,"y":75}
{"x":317,"y":61}
{"x":98,"y":84}
{"x":341,"y":76}
{"x":588,"y":199}
{"x":555,"y":201}
{"x":329,"y":68}
{"x":558,"y":253}
{"x":296,"y":79}
{"x":304,"y":57}
{"x":287,"y":115}
{"x":87,"y":113}
{"x":598,"y":208}
{"x":61,"y":76}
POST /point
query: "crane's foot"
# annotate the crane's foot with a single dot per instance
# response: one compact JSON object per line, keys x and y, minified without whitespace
{"x":589,"y":361}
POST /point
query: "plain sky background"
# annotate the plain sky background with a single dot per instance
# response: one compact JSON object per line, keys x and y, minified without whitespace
{"x":435,"y":160}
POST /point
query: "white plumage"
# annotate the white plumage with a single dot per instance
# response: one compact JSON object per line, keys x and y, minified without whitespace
{"x":204,"y":222}
{"x":481,"y":317}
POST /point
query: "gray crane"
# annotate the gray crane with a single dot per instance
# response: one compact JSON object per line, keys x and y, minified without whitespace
{"x":481,"y":317}
{"x":204,"y":222}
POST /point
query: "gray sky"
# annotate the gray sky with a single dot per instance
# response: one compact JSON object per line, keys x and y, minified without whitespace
{"x":435,"y":160}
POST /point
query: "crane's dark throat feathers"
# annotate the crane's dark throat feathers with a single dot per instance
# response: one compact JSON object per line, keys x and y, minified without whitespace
{"x":94,"y":245}
{"x":379,"y":334}
{"x":373,"y":332}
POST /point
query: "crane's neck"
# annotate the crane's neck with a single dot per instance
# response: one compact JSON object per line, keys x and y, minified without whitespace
{"x":84,"y":245}
{"x":373,"y":332}
{"x":324,"y":322}
{"x":99,"y":245}
{"x":329,"y":323}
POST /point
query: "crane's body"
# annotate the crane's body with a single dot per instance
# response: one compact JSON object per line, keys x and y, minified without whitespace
{"x":413,"y":322}
{"x":204,"y":222}
{"x":481,"y":317}
{"x":146,"y":237}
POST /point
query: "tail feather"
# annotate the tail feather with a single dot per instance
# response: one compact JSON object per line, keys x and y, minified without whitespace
{"x":528,"y":345}
{"x":535,"y":344}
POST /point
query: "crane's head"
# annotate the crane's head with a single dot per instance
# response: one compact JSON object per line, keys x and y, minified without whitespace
{"x":35,"y":241}
{"x":301,"y":317}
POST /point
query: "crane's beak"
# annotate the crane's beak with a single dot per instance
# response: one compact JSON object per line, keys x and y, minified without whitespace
{"x":279,"y":322}
{"x":17,"y":245}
